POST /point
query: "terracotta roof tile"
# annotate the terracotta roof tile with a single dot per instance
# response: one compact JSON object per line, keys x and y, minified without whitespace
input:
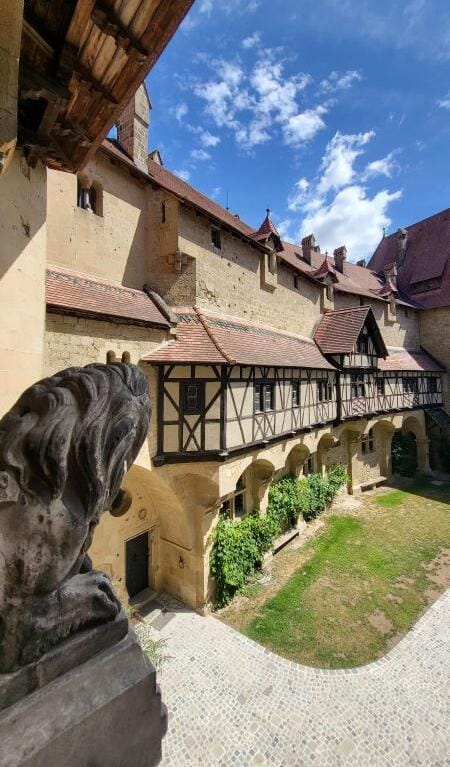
{"x":338,"y":331}
{"x":72,"y":291}
{"x":203,"y":336}
{"x":427,"y":260}
{"x":404,"y":359}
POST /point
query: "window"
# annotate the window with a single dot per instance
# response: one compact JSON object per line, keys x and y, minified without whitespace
{"x":234,"y":505}
{"x":432,"y":385}
{"x":324,"y":391}
{"x":216,"y":239}
{"x":89,"y":197}
{"x":368,"y":442}
{"x":193,"y":398}
{"x":295,"y":394}
{"x":296,"y":282}
{"x":357,"y":386}
{"x":163,"y":212}
{"x":363,"y":343}
{"x":410,"y":385}
{"x":308,"y":466}
{"x":381,"y":386}
{"x":263,"y":397}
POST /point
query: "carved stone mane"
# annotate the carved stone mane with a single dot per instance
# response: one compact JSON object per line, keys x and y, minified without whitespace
{"x":64,"y":449}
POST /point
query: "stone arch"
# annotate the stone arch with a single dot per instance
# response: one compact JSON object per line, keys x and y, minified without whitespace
{"x":325,"y":442}
{"x":384,"y":431}
{"x":258,"y":477}
{"x":415,"y":426}
{"x":296,"y":460}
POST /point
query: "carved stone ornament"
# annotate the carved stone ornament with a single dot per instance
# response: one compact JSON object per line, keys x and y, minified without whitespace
{"x":64,"y":449}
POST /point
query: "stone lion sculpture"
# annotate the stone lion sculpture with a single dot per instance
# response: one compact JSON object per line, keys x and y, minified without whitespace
{"x":64,"y":449}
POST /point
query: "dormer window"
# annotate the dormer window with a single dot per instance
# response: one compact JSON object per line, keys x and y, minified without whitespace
{"x":363,"y":343}
{"x":216,"y":239}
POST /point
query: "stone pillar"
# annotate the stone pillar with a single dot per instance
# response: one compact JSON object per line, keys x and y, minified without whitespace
{"x":423,"y":456}
{"x":353,"y":441}
{"x":386,"y":454}
{"x":10,"y":37}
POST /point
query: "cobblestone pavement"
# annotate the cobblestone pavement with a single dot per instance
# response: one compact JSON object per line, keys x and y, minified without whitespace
{"x":231,"y":702}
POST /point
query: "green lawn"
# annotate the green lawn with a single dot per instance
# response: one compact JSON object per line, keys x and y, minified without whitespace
{"x":352,"y":592}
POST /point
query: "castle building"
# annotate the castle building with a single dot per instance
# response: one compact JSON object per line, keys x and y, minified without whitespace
{"x":263,"y":357}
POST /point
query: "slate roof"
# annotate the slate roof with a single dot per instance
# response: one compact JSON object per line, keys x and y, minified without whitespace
{"x":404,"y":359}
{"x":338,"y":331}
{"x":77,"y":293}
{"x":206,"y":337}
{"x":427,"y":260}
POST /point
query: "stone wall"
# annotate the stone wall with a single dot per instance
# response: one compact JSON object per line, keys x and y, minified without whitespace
{"x":73,"y":341}
{"x":402,"y":331}
{"x":113,"y":245}
{"x":229,"y":281}
{"x":435,"y":338}
{"x":23,"y":235}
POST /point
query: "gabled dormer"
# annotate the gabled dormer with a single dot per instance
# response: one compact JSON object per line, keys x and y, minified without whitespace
{"x":351,"y":338}
{"x":268,"y":236}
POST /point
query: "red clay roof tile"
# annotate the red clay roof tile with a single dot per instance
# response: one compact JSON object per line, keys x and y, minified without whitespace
{"x":338,"y":331}
{"x":206,"y":337}
{"x":72,"y":291}
{"x":404,"y":359}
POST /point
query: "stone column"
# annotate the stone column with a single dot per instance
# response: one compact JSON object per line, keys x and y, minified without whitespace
{"x":423,"y":456}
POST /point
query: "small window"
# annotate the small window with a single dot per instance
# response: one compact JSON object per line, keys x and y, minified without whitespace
{"x":296,"y":282}
{"x":193,"y":398}
{"x":324,"y":391}
{"x":410,"y":385}
{"x":381,"y":386}
{"x":263,"y":397}
{"x":358,"y":388}
{"x":89,"y":197}
{"x":432,"y":385}
{"x":234,"y":506}
{"x":216,"y":239}
{"x":368,"y":442}
{"x":163,"y":212}
{"x":363,"y":343}
{"x":295,"y":394}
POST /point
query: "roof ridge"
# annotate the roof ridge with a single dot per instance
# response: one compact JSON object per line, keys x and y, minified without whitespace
{"x":208,"y":330}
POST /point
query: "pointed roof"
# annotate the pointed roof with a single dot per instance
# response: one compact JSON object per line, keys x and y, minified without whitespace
{"x":205,"y":337}
{"x":267,"y":230}
{"x":326,"y":268}
{"x":339,"y":330}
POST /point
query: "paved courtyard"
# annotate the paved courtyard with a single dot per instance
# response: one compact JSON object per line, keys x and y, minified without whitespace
{"x":231,"y":702}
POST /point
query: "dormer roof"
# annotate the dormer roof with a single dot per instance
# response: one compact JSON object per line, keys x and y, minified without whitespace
{"x":339,"y":330}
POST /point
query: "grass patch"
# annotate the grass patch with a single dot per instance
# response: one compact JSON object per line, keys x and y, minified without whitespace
{"x":362,"y":582}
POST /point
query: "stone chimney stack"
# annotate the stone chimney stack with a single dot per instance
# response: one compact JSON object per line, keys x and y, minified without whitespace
{"x":340,"y":254}
{"x":133,"y":125}
{"x":402,"y":244}
{"x":309,"y":247}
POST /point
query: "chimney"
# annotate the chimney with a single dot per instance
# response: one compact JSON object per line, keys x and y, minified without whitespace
{"x":402,"y":243}
{"x":361,"y":262}
{"x":309,"y":247}
{"x":340,"y":254}
{"x":132,"y":127}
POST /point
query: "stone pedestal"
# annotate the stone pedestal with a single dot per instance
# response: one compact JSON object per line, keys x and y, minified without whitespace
{"x":104,"y":712}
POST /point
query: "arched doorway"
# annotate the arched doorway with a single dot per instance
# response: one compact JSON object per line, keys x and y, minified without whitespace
{"x":404,"y":453}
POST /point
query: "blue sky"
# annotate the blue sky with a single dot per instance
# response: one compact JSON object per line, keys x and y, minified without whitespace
{"x":335,"y":114}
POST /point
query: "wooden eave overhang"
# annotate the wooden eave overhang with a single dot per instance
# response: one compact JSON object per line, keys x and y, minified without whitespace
{"x":80,"y":64}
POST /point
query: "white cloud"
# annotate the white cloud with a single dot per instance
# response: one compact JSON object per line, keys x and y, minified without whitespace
{"x":200,"y":155}
{"x":183,"y":174}
{"x":352,"y":218}
{"x":251,"y":41}
{"x":180,"y":111}
{"x":304,"y":126}
{"x":205,"y":7}
{"x":336,"y":81}
{"x":337,"y":166}
{"x":208,"y":139}
{"x":284,"y":229}
{"x":216,"y":192}
{"x":385,"y":166}
{"x":444,"y":103}
{"x":299,"y":196}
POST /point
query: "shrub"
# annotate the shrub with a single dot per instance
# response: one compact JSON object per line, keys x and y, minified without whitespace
{"x":238,"y":548}
{"x":320,"y":490}
{"x":285,"y":502}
